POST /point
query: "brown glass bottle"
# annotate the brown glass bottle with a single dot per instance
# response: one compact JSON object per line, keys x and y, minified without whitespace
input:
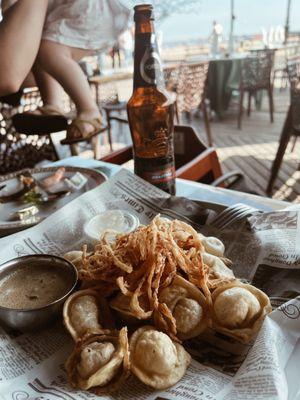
{"x":151,"y":108}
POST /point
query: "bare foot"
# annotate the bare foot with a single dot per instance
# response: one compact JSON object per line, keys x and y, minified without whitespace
{"x":46,"y":109}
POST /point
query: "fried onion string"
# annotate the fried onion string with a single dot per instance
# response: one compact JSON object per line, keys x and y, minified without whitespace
{"x":139,"y":263}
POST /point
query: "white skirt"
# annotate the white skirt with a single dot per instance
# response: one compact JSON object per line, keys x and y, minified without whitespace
{"x":86,"y":24}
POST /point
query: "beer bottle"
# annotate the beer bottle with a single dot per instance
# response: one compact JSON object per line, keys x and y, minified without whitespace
{"x":151,"y":108}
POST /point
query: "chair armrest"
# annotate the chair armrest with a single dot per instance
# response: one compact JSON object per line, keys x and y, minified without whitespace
{"x":119,"y":157}
{"x":199,"y":166}
{"x":236,"y":175}
{"x":119,"y":119}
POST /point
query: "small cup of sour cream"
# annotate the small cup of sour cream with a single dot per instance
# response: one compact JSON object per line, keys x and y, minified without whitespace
{"x":111,"y":222}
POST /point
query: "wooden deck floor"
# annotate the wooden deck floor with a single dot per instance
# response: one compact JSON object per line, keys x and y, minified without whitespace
{"x":253,"y":149}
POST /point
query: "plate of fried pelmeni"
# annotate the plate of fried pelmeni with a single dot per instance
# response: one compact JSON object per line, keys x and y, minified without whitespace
{"x":143,"y":295}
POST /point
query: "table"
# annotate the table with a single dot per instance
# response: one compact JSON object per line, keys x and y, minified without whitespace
{"x":223,"y":75}
{"x":192,"y":190}
{"x":98,"y":80}
{"x":223,"y":78}
{"x":115,"y":76}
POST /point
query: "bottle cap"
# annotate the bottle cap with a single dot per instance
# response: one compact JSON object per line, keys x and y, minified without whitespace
{"x":143,"y":12}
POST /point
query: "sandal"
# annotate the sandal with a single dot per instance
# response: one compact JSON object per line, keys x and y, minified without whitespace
{"x":80,"y":134}
{"x":49,"y":120}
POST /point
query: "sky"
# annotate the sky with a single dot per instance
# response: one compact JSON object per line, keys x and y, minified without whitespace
{"x":251,"y":16}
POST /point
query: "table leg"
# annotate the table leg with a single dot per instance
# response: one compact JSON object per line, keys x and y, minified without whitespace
{"x":108,"y":121}
{"x":241,"y":99}
{"x":96,"y":147}
{"x":97,"y":94}
{"x":74,"y":149}
{"x":207,"y":124}
{"x":249,"y":104}
{"x":271,"y":103}
{"x":177,"y":112}
{"x":52,"y":145}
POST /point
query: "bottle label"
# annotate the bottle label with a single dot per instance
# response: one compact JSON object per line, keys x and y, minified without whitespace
{"x":155,"y":170}
{"x":160,"y":175}
{"x":147,"y":64}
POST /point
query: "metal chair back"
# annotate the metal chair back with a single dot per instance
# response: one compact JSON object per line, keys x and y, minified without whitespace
{"x":191,"y":86}
{"x":18,"y":151}
{"x":171,"y":76}
{"x":257,"y":70}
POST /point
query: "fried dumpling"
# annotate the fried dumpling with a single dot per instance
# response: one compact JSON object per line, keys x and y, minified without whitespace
{"x":155,"y":359}
{"x":187,"y":305}
{"x":217,"y":266}
{"x":85,"y":312}
{"x":100,"y":362}
{"x":239,"y":310}
{"x":93,"y":357}
{"x":121,"y":304}
{"x":212,"y":245}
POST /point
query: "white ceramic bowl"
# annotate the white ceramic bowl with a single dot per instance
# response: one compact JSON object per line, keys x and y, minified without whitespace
{"x":114,"y":221}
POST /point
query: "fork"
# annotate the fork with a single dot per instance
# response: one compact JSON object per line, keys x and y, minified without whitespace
{"x":231,"y":214}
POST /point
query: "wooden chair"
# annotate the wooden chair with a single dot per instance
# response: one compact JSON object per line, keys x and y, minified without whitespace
{"x":193,"y":160}
{"x":291,"y":127}
{"x":22,"y":149}
{"x":256,"y":75}
{"x":191,"y":92}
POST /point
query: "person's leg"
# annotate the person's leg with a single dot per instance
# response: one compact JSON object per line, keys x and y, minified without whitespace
{"x":51,"y":91}
{"x":20,"y":37}
{"x":29,"y":81}
{"x":60,"y":62}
